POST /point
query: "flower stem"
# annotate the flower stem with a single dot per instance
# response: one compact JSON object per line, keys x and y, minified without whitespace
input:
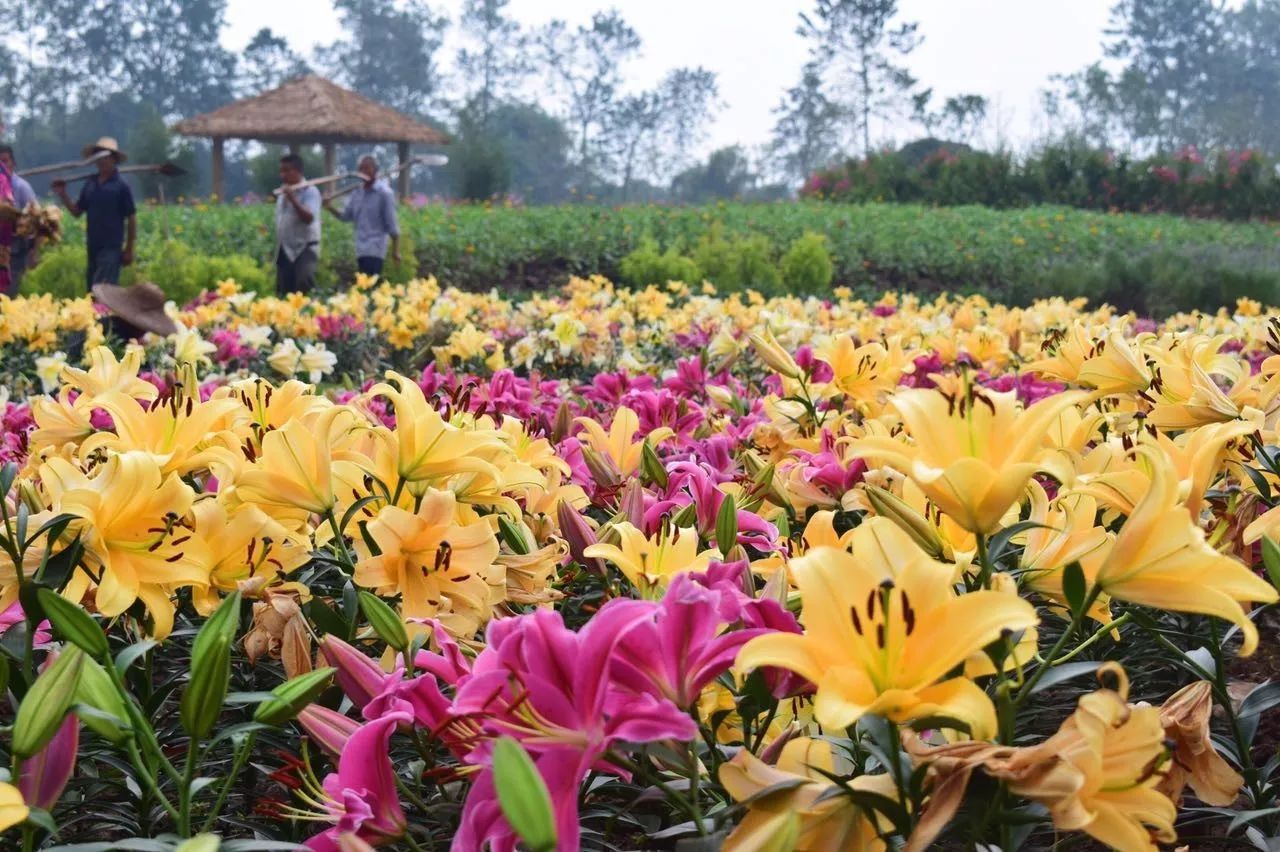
{"x":241,"y":758}
{"x":1051,"y":659}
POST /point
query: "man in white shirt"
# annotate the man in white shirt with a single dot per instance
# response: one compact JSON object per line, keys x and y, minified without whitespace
{"x":297,"y":230}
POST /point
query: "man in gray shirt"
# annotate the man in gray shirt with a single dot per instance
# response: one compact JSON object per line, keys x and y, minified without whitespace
{"x":23,"y":254}
{"x":297,"y":230}
{"x":372,"y":209}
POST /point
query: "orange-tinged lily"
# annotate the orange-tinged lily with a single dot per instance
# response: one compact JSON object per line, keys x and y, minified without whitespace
{"x":1106,"y":362}
{"x":885,"y":642}
{"x":1099,"y":773}
{"x":1065,"y":533}
{"x":971,"y":454}
{"x":133,"y":529}
{"x":1161,"y":559}
{"x":649,"y":563}
{"x":806,"y":806}
{"x":442,"y":569}
{"x":1185,"y":717}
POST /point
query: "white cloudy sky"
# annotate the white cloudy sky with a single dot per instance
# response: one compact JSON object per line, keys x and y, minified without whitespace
{"x":1003,"y":49}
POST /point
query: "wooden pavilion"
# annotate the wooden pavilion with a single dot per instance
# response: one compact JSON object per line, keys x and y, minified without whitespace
{"x":309,"y":110}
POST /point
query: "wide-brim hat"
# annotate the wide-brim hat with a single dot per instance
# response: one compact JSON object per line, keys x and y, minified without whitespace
{"x":105,"y":143}
{"x":141,"y":305}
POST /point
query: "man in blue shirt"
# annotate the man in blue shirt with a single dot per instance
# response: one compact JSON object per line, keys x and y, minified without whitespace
{"x":372,"y":209}
{"x":297,"y":230}
{"x":107,"y":201}
{"x":23,"y":253}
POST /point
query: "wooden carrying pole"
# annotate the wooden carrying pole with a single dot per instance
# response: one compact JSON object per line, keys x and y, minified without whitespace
{"x":70,"y":164}
{"x":400,"y":169}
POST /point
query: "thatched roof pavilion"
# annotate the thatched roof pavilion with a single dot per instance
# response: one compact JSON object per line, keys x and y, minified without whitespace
{"x":306,"y":111}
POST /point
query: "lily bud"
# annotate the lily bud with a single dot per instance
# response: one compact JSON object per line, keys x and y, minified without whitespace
{"x":46,"y":703}
{"x":773,"y":355}
{"x":97,"y":692}
{"x":652,"y":466}
{"x":359,"y":676}
{"x":578,"y":534}
{"x":602,"y":468}
{"x":721,"y":396}
{"x":386,"y":622}
{"x":329,"y":728}
{"x":632,"y":503}
{"x":888,"y":505}
{"x":292,"y":697}
{"x":45,"y":776}
{"x":210,"y":669}
{"x":563,"y":423}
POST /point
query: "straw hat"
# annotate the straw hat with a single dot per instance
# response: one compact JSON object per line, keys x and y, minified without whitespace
{"x":141,"y":305}
{"x":105,"y":143}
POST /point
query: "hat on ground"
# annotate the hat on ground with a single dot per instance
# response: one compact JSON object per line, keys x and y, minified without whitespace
{"x":105,"y":143}
{"x":141,"y":305}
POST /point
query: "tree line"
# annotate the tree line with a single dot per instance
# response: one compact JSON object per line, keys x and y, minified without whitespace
{"x":546,"y":113}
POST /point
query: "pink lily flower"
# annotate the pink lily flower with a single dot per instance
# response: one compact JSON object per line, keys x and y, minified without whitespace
{"x":553,"y":690}
{"x":682,"y":644}
{"x":360,"y":798}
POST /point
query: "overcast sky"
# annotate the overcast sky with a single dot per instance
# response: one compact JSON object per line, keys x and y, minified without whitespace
{"x":1003,"y":49}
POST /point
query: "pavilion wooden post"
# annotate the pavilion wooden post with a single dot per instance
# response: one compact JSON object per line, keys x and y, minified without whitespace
{"x":219,"y":170}
{"x":330,"y":158}
{"x":402,"y":154}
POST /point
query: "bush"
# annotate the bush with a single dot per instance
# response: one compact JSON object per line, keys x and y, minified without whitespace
{"x":61,"y":272}
{"x":806,"y":266}
{"x":755,"y":266}
{"x":648,"y":265}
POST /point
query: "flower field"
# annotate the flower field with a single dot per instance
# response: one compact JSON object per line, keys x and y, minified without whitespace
{"x":420,"y":567}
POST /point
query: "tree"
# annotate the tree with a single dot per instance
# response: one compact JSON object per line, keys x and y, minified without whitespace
{"x":268,"y":61}
{"x":806,"y":135}
{"x":163,"y":52}
{"x":537,"y":148}
{"x":1168,"y":47}
{"x":585,"y":65}
{"x":493,"y":63}
{"x":958,"y":119}
{"x":727,"y":173}
{"x":856,"y":37}
{"x":652,"y":132}
{"x":390,"y":51}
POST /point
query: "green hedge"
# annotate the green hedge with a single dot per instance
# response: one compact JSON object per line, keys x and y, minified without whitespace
{"x":1150,"y":263}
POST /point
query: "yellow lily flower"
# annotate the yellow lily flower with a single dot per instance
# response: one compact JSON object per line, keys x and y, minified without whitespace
{"x":107,"y":374}
{"x":883,"y":641}
{"x":1106,"y":362}
{"x":618,"y":443}
{"x":428,"y":448}
{"x":441,"y":568}
{"x":1161,"y":559}
{"x":295,"y":468}
{"x":971,"y":455}
{"x":806,"y":805}
{"x":650,"y":563}
{"x":1065,"y":533}
{"x":246,"y":547}
{"x":133,"y":532}
{"x":184,"y":435}
{"x":13,"y":810}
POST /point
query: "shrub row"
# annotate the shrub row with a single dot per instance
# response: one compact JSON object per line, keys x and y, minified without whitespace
{"x":1225,"y":184}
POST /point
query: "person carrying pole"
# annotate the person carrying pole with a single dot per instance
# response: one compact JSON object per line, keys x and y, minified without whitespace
{"x":107,"y":201}
{"x":371,"y":208}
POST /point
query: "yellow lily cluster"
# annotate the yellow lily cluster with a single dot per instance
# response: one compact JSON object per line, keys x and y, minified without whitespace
{"x":238,"y":489}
